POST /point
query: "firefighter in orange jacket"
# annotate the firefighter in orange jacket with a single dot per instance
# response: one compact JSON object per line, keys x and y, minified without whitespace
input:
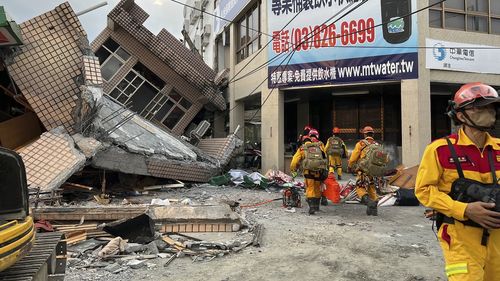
{"x":365,"y":184}
{"x":334,"y":158}
{"x":469,"y":233}
{"x":313,"y":179}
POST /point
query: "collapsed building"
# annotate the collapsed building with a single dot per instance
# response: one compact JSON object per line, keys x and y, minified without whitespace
{"x":63,"y":109}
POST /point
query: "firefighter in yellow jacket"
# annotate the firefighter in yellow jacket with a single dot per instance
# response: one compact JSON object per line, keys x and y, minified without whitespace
{"x":468,"y":161}
{"x":311,"y":157}
{"x":335,"y":149}
{"x":365,"y":186}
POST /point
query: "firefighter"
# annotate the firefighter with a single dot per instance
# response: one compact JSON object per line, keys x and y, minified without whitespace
{"x":365,"y":185}
{"x":305,"y":134}
{"x":312,"y":158}
{"x":468,"y":233}
{"x":335,"y":149}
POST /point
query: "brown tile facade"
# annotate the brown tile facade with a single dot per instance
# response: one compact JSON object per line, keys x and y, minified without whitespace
{"x":92,"y":71}
{"x":164,"y":55}
{"x":47,"y":159}
{"x":48,"y":63}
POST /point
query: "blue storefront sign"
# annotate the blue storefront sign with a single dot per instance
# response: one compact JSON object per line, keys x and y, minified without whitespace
{"x":227,"y":9}
{"x":369,"y":44}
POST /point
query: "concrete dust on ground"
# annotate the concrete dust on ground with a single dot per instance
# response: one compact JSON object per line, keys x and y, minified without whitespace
{"x":339,"y":243}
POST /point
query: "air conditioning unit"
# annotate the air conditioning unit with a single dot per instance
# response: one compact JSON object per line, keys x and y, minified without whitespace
{"x":206,"y":41}
{"x":200,"y":130}
{"x":207,"y":30}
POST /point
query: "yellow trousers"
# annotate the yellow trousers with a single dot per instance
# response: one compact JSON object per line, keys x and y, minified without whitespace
{"x":335,"y":163}
{"x":313,"y":188}
{"x":362,"y":190}
{"x":466,"y":259}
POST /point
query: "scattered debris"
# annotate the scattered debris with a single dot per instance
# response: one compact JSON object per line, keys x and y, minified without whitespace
{"x":115,"y":246}
{"x":139,"y":229}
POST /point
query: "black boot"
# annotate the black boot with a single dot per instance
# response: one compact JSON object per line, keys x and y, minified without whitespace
{"x":317,"y":202}
{"x":365,"y":199}
{"x":324,"y":201}
{"x":371,"y":208}
{"x":312,"y":208}
{"x":339,"y":177}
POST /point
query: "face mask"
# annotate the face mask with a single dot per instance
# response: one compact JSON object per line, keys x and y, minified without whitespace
{"x":484,"y":117}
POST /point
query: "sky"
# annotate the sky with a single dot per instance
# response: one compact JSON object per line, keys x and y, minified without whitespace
{"x":162,"y":13}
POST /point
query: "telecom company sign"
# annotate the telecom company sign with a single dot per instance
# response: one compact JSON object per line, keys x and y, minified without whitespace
{"x":227,"y":9}
{"x":462,"y":57}
{"x":371,"y":43}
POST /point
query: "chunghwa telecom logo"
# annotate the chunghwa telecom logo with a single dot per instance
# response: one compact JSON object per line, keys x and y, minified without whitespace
{"x":439,"y":52}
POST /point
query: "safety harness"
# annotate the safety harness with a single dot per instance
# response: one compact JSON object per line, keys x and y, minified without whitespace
{"x":459,"y":191}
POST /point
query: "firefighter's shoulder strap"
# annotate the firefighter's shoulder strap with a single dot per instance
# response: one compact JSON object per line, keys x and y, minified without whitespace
{"x":455,"y":159}
{"x":486,"y":234}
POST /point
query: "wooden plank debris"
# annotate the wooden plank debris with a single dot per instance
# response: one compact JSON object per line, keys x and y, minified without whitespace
{"x":258,"y":233}
{"x":405,"y":178}
{"x":179,"y":184}
{"x":76,"y":186}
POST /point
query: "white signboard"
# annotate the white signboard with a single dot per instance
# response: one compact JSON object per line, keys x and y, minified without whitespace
{"x":462,"y":57}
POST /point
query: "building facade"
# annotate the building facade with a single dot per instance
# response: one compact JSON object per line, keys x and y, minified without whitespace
{"x":392,"y":65}
{"x":153,"y":75}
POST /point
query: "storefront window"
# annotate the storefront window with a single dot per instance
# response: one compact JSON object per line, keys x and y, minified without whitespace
{"x":468,"y":15}
{"x":477,"y":23}
{"x":248,"y":34}
{"x":454,"y":21}
{"x":435,"y":18}
{"x":495,"y":26}
{"x":455,"y":4}
{"x":477,"y":6}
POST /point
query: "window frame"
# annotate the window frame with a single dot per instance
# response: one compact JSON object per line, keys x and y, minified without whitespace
{"x":467,"y":14}
{"x":114,"y":55}
{"x":243,"y":49}
{"x":155,"y":104}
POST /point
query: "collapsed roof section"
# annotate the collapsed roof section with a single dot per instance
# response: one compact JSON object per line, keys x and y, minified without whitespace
{"x":62,"y":82}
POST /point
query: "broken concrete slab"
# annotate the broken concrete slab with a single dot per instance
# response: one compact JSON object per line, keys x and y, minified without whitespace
{"x":196,"y":218}
{"x":199,"y":213}
{"x":51,"y":160}
{"x":88,"y":146}
{"x":102,"y":213}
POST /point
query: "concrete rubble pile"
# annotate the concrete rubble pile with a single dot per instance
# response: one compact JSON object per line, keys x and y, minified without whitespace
{"x":57,"y":74}
{"x":116,"y":238}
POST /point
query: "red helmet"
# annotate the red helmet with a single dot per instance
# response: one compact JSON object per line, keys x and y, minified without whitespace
{"x":336,"y":130}
{"x":367,"y":129}
{"x":478,"y":93}
{"x":313,"y":132}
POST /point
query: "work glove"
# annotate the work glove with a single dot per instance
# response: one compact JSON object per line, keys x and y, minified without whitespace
{"x":294,"y":174}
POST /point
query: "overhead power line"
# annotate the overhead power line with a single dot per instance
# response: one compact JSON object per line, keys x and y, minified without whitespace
{"x":219,"y":17}
{"x":409,"y":14}
{"x":339,"y":36}
{"x":290,"y":55}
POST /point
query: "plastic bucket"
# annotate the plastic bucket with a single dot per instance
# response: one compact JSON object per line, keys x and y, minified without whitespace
{"x":332,"y":191}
